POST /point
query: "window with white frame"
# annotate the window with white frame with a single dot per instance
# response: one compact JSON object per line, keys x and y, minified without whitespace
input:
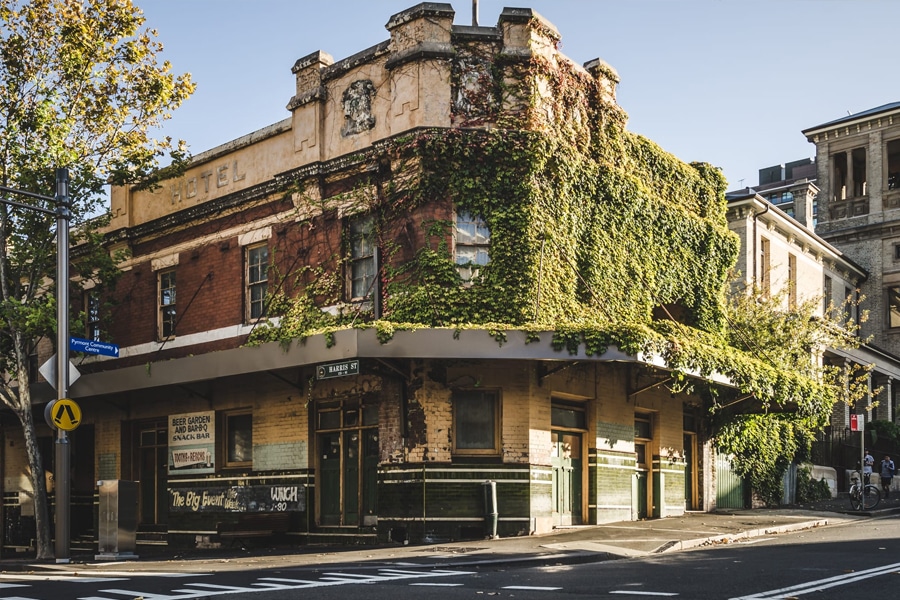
{"x":362,"y":257}
{"x":166,"y":298}
{"x":476,"y":422}
{"x":473,"y":241}
{"x":257,"y":278}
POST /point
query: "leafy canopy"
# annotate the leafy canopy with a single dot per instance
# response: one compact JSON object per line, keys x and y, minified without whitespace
{"x":81,"y":87}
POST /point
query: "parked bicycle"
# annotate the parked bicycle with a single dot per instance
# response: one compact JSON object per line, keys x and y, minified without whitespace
{"x":863,"y":496}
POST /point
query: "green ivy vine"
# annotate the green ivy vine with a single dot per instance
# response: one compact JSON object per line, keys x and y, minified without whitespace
{"x":593,"y":228}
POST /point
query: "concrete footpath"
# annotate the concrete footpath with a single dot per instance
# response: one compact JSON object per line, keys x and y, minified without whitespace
{"x":627,"y":539}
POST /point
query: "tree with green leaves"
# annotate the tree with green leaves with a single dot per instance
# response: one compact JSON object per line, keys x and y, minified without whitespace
{"x":82,"y":87}
{"x":764,"y":443}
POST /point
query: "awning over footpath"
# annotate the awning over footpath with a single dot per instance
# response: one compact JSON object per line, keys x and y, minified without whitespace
{"x":471,"y":344}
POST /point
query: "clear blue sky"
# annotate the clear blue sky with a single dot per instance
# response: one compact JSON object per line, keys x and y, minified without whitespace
{"x":730,"y":82}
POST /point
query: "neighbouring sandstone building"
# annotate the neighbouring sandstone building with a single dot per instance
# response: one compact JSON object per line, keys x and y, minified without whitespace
{"x":858,"y":159}
{"x":396,"y":431}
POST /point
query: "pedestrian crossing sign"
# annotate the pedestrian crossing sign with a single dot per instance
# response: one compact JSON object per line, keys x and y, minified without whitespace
{"x":65,"y":414}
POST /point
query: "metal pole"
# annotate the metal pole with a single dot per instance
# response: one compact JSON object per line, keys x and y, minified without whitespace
{"x":475,"y":13}
{"x":62,"y":477}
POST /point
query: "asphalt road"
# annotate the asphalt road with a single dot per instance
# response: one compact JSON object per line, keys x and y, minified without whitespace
{"x":839,"y":561}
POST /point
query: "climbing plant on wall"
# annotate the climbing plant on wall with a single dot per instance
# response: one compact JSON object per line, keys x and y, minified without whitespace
{"x":594,"y":233}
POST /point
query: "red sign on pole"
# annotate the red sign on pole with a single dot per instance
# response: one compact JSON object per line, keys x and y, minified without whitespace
{"x":857,"y":422}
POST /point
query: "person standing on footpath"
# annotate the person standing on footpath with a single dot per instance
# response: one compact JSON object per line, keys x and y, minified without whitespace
{"x":887,"y":474}
{"x":868,"y":463}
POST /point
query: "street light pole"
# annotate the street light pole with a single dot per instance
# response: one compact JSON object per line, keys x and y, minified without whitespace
{"x":63,"y":468}
{"x":62,"y":478}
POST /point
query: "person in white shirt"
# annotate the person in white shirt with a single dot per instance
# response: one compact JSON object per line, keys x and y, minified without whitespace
{"x":868,"y":463}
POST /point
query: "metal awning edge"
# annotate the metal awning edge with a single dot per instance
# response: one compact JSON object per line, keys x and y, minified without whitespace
{"x":467,"y":344}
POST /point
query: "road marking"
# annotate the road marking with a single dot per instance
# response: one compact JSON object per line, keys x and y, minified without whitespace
{"x":267,"y":584}
{"x":438,"y":584}
{"x":824,"y":584}
{"x":86,"y":576}
{"x":531,"y":587}
{"x":73,"y":578}
{"x":637,"y":593}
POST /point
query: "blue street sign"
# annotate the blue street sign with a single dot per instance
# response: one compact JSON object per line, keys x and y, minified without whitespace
{"x":93,"y":347}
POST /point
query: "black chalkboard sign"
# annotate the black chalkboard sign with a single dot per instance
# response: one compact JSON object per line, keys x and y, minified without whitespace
{"x":238,"y":498}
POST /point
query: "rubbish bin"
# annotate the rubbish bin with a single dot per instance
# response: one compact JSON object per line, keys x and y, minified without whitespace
{"x":490,"y":509}
{"x":117,"y":519}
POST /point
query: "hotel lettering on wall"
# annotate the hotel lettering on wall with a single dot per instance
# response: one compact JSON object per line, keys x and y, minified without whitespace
{"x":192,"y":443}
{"x":219,"y":176}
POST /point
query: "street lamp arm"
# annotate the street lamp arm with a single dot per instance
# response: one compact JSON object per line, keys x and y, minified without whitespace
{"x":10,"y":190}
{"x":28,"y":206}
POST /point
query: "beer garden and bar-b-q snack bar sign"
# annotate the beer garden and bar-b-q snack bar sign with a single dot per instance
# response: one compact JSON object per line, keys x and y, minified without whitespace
{"x":192,"y":443}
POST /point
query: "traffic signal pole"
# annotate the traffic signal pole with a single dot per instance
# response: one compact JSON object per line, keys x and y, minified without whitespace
{"x":62,"y":476}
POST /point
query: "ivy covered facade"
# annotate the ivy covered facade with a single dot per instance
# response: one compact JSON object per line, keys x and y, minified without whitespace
{"x":451,"y":269}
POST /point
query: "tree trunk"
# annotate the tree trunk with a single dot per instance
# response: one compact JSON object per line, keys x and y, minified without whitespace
{"x":43,"y":545}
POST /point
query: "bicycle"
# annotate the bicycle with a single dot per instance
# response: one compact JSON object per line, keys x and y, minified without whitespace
{"x":863,"y":497}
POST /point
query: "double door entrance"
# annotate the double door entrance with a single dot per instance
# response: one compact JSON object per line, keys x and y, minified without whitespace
{"x":347,"y":449}
{"x":149,"y":467}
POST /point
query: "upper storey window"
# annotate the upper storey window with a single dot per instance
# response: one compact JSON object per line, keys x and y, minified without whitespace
{"x":362,"y":257}
{"x":849,"y":174}
{"x":782,"y":198}
{"x":167,"y":304}
{"x":893,"y":165}
{"x":257,"y":280}
{"x":473,"y":240}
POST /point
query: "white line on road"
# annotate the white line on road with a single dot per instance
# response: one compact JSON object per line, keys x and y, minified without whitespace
{"x":204,"y":590}
{"x":531,"y":587}
{"x":824,"y":584}
{"x":72,"y":578}
{"x":438,"y":584}
{"x":637,"y":593}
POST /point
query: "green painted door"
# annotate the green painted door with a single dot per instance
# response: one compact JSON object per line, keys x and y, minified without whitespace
{"x":152,"y":473}
{"x":642,"y":486}
{"x":690,"y":500}
{"x":566,"y":462}
{"x":348,"y":462}
{"x":369,"y":476}
{"x":329,"y":478}
{"x":351,"y":477}
{"x":729,"y":485}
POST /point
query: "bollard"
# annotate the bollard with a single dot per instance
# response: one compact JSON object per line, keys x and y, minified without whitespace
{"x":490,"y":509}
